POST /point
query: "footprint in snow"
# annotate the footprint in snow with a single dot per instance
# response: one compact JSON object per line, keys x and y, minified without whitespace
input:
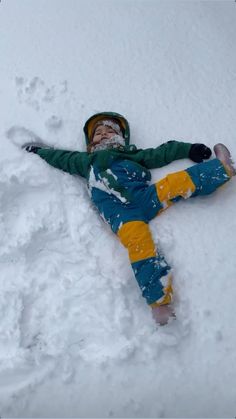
{"x":54,"y":123}
{"x":35,"y":92}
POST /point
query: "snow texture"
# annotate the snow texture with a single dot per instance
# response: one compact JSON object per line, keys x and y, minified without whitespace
{"x":117,"y":141}
{"x":110,"y":123}
{"x":76,"y":337}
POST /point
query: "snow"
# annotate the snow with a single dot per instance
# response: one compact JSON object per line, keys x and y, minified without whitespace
{"x":117,"y":141}
{"x":111,"y":124}
{"x":76,"y":337}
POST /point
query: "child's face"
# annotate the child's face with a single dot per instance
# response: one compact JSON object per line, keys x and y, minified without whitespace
{"x":102,"y":132}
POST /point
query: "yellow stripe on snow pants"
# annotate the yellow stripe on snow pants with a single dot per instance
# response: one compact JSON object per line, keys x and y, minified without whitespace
{"x":174,"y":185}
{"x":137,"y":238}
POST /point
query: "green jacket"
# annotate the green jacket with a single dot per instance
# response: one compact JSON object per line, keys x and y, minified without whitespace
{"x":80,"y":163}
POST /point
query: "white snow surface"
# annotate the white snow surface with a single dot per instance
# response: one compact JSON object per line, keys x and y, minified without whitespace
{"x":76,"y":337}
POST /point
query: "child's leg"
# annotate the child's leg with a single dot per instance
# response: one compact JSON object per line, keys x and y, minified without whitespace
{"x":151,"y":270}
{"x":200,"y":179}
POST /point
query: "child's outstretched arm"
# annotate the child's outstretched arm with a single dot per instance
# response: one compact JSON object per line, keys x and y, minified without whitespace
{"x":170,"y":151}
{"x":73,"y":162}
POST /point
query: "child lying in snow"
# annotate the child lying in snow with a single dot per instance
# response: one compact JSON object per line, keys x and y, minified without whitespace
{"x":119,"y":182}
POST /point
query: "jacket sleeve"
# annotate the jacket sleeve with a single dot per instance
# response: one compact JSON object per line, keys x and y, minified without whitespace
{"x":73,"y":162}
{"x":164,"y":154}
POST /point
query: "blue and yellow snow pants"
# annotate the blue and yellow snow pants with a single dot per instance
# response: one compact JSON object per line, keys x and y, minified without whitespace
{"x":129,"y":220}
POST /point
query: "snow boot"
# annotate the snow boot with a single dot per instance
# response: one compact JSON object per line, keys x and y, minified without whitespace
{"x":163,"y":314}
{"x":222,"y":153}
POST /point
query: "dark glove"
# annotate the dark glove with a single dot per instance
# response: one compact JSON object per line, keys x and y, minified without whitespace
{"x":32,"y":148}
{"x":199,"y":152}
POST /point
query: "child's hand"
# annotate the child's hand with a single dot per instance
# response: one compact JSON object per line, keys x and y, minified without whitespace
{"x":31,"y":148}
{"x":34,"y":147}
{"x":199,"y":152}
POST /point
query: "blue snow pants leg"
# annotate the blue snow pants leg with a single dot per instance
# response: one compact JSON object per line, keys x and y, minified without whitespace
{"x":130,"y":222}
